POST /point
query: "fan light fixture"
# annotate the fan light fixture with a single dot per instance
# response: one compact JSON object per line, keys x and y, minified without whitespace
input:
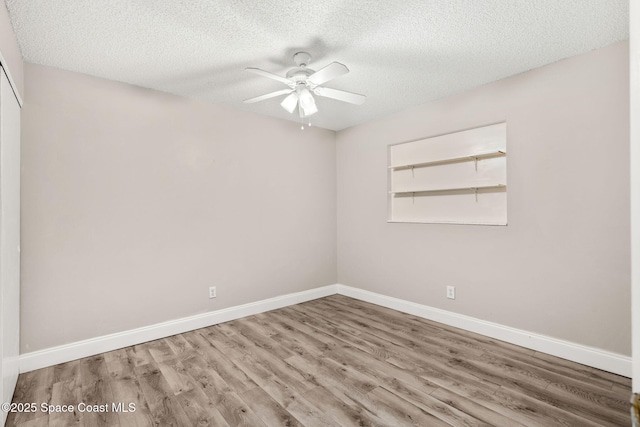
{"x":307,"y":103}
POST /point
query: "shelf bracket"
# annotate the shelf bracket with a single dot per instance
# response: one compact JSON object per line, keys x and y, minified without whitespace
{"x":475,"y":162}
{"x":476,"y":191}
{"x":412,"y":172}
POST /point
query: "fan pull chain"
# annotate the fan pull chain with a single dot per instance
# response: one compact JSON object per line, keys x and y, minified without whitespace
{"x":302,"y":124}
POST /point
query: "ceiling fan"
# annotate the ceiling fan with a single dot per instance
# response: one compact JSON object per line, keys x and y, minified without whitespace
{"x":302,"y":82}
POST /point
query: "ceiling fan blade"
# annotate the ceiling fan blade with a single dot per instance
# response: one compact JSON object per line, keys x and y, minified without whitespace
{"x":290,"y":102}
{"x":340,"y":95}
{"x":267,"y":96}
{"x":272,"y":76}
{"x":331,"y":71}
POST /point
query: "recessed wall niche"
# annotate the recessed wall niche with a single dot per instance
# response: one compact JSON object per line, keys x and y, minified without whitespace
{"x":457,"y":178}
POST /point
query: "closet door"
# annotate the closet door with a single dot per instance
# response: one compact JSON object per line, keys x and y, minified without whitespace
{"x":9,"y":238}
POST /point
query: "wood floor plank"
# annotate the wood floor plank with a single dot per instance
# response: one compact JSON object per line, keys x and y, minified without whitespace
{"x":96,"y":393}
{"x":281,"y":333}
{"x":139,"y":355}
{"x":296,"y":404}
{"x":620,"y":391}
{"x":317,"y":320}
{"x":394,"y":409}
{"x":194,"y":377}
{"x":532,"y":411}
{"x":605,"y":396}
{"x":475,"y":408}
{"x":227,"y":342}
{"x":309,"y":339}
{"x":35,"y":384}
{"x":32,"y":387}
{"x":126,"y":390}
{"x":117,"y":363}
{"x":522,"y":371}
{"x":548,"y":394}
{"x":36,"y":422}
{"x":596,"y":407}
{"x":586,"y":371}
{"x":413,"y":388}
{"x":385,"y":338}
{"x":234,"y":410}
{"x":455,"y":335}
{"x":383,"y":316}
{"x":180,"y":346}
{"x":344,"y":383}
{"x":260,"y":373}
{"x":428,"y":335}
{"x":163,"y":405}
{"x":383,"y":372}
{"x":270,"y":411}
{"x":344,"y":413}
{"x":68,"y":392}
{"x":346,"y":378}
{"x":176,"y":376}
{"x":481,"y":373}
{"x":260,"y":363}
{"x":224,"y":399}
{"x":200,"y":402}
{"x":219,"y":363}
{"x":263,"y":342}
{"x":428,"y":366}
{"x":334,"y":361}
{"x":159,"y":350}
{"x":200,"y":409}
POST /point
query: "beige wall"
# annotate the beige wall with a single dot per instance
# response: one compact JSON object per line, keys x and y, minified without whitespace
{"x":134,"y":202}
{"x":561,"y":267}
{"x":10,"y":50}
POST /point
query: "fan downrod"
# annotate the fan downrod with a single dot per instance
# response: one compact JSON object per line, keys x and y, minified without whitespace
{"x":302,"y":59}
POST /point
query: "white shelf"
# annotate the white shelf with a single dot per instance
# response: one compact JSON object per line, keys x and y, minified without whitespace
{"x":437,"y":190}
{"x":479,"y":156}
{"x":435,"y":221}
{"x":436,"y":179}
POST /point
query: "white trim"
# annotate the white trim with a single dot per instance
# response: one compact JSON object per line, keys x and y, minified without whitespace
{"x":12,"y":83}
{"x":634,"y":143}
{"x":586,"y":355}
{"x":67,"y":352}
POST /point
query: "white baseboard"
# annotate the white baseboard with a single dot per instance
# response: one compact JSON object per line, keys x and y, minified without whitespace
{"x":591,"y":356}
{"x":77,"y":350}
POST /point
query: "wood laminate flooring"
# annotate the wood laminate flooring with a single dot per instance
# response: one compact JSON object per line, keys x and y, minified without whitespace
{"x":334,"y":361}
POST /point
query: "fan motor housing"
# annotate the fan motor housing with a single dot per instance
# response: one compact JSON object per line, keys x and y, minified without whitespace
{"x":299,"y":74}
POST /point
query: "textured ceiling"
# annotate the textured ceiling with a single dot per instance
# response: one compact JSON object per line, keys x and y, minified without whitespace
{"x":401,"y":53}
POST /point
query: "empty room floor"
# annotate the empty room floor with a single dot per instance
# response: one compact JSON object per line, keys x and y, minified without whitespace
{"x":334,"y":361}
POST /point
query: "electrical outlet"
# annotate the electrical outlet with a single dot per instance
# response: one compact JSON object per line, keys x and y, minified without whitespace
{"x":451,"y":292}
{"x":212,"y":291}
